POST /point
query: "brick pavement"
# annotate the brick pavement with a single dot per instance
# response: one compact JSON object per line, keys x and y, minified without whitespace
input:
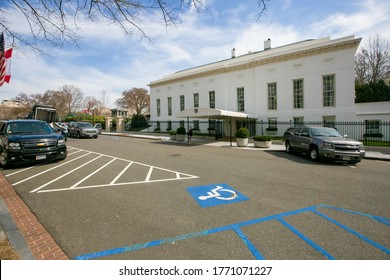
{"x":39,"y":241}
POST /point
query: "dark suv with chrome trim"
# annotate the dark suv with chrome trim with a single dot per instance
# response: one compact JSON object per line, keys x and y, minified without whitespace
{"x":323,"y":143}
{"x":26,"y":141}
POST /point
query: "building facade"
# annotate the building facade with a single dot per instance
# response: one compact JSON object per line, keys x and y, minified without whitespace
{"x":311,"y":80}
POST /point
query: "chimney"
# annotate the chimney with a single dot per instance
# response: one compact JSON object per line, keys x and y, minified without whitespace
{"x":267,"y":44}
{"x":233,"y":53}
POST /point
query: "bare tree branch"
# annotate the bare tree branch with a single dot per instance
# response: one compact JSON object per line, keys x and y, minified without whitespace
{"x":373,"y":62}
{"x":56,"y":21}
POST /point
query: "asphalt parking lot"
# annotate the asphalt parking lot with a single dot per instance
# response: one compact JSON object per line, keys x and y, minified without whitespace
{"x":126,"y":198}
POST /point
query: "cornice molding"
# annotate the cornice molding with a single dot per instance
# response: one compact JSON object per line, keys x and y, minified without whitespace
{"x":350,"y":44}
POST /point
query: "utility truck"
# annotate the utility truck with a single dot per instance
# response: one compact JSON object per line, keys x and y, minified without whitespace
{"x":44,"y":113}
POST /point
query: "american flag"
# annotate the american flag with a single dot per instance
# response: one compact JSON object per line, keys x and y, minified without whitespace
{"x":5,"y":62}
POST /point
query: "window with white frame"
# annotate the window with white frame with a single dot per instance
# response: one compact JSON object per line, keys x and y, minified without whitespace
{"x":272,"y":99}
{"x":196,"y":100}
{"x":328,"y":90}
{"x":329,"y":121}
{"x":372,"y":127}
{"x":298,"y":94}
{"x":169,"y":106}
{"x":182,"y":103}
{"x":240,"y":99}
{"x":158,"y":106}
{"x":272,"y":124}
{"x":196,"y":125}
{"x":212,"y":99}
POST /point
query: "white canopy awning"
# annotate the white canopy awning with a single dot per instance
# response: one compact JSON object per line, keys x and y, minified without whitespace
{"x":199,"y":113}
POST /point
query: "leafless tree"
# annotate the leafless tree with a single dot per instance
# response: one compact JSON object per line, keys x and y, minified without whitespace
{"x":67,"y":100}
{"x":92,"y":104}
{"x":136,"y":99}
{"x":57,"y":22}
{"x":372,"y":63}
{"x":73,"y":98}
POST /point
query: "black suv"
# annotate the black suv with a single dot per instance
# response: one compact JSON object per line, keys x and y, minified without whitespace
{"x":323,"y":143}
{"x":25,"y":141}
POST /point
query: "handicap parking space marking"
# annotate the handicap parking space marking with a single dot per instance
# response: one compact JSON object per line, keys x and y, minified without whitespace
{"x":171,"y":175}
{"x":237,"y":229}
{"x":216,"y":194}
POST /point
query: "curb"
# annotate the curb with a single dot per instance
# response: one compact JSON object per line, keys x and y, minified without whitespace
{"x":25,"y":233}
{"x":9,"y":230}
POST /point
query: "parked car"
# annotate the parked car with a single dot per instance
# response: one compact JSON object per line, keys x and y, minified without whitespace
{"x":82,"y":129}
{"x":323,"y":143}
{"x":25,"y":141}
{"x":98,"y":126}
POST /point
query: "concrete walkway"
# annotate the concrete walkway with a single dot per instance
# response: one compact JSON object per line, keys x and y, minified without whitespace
{"x":371,"y":152}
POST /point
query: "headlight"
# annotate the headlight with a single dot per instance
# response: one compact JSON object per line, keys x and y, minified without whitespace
{"x":61,"y":142}
{"x":327,"y":145}
{"x":14,"y":146}
{"x":361,"y":147}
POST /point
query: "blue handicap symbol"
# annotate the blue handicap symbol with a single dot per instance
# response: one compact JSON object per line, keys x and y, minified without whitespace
{"x":216,"y":194}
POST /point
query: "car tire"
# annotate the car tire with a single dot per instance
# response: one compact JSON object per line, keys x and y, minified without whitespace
{"x":4,"y":163}
{"x":313,"y":153}
{"x":288,"y":147}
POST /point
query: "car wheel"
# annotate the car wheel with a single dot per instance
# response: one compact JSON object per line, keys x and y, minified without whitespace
{"x":313,"y":153}
{"x":288,"y":147}
{"x":3,"y":162}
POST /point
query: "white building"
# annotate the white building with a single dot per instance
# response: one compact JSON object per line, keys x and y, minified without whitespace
{"x":311,"y":80}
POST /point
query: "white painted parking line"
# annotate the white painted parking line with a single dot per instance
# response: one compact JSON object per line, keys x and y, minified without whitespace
{"x":120,"y":173}
{"x":67,"y":173}
{"x":50,"y":169}
{"x":93,"y":173}
{"x":149,"y":174}
{"x":129,"y":164}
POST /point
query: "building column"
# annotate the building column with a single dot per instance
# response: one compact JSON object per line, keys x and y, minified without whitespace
{"x":108,"y":122}
{"x":119,"y":124}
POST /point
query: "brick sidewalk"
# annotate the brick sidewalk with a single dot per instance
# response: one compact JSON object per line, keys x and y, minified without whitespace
{"x":39,"y":241}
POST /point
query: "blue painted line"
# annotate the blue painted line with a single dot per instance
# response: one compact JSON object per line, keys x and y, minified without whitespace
{"x":306,"y":239}
{"x":135,"y":247}
{"x":382,"y":220}
{"x":249,"y":244}
{"x":361,"y":236}
{"x":235,"y":227}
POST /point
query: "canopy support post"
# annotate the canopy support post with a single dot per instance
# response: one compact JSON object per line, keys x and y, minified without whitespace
{"x":188,"y":129}
{"x":231,"y":137}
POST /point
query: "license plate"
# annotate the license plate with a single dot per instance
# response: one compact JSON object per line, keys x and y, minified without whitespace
{"x":346,"y":158}
{"x":40,"y":157}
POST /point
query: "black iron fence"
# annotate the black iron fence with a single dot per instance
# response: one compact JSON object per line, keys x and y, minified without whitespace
{"x":371,"y":133}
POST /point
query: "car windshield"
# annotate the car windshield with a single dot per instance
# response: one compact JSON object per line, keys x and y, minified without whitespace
{"x":325,"y":131}
{"x":85,"y":125}
{"x":28,"y":127}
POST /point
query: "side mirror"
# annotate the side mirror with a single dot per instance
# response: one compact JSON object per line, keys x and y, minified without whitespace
{"x":346,"y":136}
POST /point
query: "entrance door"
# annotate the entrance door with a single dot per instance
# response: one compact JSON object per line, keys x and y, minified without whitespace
{"x":218,"y":130}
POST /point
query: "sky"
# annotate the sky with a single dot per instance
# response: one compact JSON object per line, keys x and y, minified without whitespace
{"x":107,"y":62}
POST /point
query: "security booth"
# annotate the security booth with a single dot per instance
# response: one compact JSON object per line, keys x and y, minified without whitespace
{"x":227,"y":122}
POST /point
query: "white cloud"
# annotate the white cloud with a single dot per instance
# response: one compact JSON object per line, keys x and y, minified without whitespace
{"x":372,"y":17}
{"x":108,"y":60}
